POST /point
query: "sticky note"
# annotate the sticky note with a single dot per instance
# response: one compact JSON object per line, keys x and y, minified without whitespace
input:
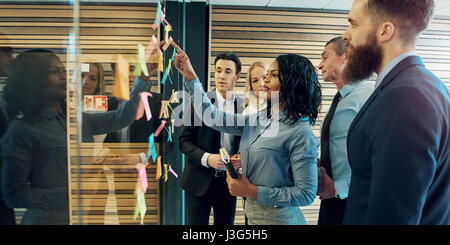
{"x":142,"y":63}
{"x":121,"y":83}
{"x":167,"y":29}
{"x":166,"y":46}
{"x":161,"y":126}
{"x":165,"y":173}
{"x":151,"y":147}
{"x":159,"y":16}
{"x":142,"y":176}
{"x":158,"y":168}
{"x":169,"y":138}
{"x":173,"y":172}
{"x":169,"y":66}
{"x":173,"y":124}
{"x":160,"y":62}
{"x":163,"y":109}
{"x":141,"y":206}
{"x":144,"y":99}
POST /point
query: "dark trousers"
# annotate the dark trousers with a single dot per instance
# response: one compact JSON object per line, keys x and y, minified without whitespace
{"x":7,"y":216}
{"x":332,"y":211}
{"x":218,"y":198}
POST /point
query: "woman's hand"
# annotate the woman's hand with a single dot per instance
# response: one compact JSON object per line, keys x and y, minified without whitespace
{"x":183,"y":64}
{"x":241,"y":187}
{"x":236,"y":160}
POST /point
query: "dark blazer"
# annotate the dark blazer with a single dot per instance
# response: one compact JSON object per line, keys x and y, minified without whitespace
{"x":399,"y":150}
{"x":194,"y":141}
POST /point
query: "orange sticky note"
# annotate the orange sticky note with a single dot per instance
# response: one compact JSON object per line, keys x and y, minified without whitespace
{"x":160,"y":63}
{"x":158,"y":168}
{"x":121,"y":84}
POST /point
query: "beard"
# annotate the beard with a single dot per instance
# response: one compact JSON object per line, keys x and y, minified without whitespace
{"x":362,"y":61}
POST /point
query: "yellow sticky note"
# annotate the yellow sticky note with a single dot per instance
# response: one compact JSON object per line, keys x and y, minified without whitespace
{"x":160,"y":63}
{"x":167,"y":29}
{"x":166,"y":176}
{"x":158,"y":168}
{"x":142,"y":61}
{"x":121,"y":83}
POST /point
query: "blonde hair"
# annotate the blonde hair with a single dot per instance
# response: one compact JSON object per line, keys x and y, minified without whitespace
{"x":101,"y":90}
{"x":248,"y":84}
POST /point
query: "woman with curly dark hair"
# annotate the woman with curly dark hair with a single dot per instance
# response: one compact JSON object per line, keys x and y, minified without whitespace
{"x":278,"y":151}
{"x":34,"y":149}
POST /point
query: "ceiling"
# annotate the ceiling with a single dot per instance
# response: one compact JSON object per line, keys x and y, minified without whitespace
{"x":442,"y":6}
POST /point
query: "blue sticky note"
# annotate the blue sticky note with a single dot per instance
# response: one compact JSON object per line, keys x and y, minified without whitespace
{"x":169,"y":138}
{"x":151,"y":147}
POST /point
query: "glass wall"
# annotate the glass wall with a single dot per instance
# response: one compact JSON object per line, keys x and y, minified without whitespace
{"x":86,"y":121}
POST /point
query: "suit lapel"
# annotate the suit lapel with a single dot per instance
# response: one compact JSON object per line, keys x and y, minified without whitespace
{"x":405,"y":63}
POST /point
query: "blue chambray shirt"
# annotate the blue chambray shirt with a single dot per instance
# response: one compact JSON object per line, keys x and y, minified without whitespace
{"x":280,"y":159}
{"x":353,"y":97}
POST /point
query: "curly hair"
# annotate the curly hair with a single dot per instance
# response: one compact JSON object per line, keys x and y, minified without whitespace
{"x":27,"y":82}
{"x":300,"y":92}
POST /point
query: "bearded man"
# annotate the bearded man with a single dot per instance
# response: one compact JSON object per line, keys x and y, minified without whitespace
{"x":398,"y":144}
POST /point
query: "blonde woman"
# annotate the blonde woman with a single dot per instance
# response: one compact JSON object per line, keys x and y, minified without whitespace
{"x":93,"y":80}
{"x":255,"y":84}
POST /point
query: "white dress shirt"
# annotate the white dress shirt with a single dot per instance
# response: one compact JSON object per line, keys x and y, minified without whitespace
{"x":225,"y":139}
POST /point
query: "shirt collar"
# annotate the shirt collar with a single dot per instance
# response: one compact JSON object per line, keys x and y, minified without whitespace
{"x":221,"y":100}
{"x":348,"y":88}
{"x":391,"y":66}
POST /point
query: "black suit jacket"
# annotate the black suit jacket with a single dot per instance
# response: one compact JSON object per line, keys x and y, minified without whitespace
{"x":399,"y":151}
{"x":194,"y":141}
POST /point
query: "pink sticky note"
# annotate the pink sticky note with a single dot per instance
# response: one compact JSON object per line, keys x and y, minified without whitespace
{"x":170,"y":26}
{"x":173,"y":172}
{"x":166,"y":46}
{"x":163,"y":122}
{"x":173,"y":124}
{"x":144,"y":99}
{"x":143,"y":176}
{"x":163,"y":109}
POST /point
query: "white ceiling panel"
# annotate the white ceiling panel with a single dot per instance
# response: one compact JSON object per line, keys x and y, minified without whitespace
{"x":340,"y":5}
{"x":444,"y":11}
{"x":240,"y":3}
{"x":299,"y":3}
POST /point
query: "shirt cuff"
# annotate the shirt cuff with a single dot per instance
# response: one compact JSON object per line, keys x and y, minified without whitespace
{"x":190,"y":85}
{"x":342,"y":188}
{"x":205,"y":159}
{"x":261,"y":197}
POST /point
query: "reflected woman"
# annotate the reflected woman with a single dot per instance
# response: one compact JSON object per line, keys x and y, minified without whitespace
{"x":34,"y":149}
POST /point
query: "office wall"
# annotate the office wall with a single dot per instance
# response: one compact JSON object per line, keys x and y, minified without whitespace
{"x":264,"y":33}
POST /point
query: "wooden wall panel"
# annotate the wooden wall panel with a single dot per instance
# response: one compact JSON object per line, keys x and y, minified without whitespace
{"x":264,"y":33}
{"x":106,"y":31}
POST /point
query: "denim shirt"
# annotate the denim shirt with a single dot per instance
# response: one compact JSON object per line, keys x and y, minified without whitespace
{"x":279,"y":158}
{"x":353,"y":97}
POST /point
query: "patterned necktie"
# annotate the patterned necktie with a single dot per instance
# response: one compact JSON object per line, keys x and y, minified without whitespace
{"x":325,"y":136}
